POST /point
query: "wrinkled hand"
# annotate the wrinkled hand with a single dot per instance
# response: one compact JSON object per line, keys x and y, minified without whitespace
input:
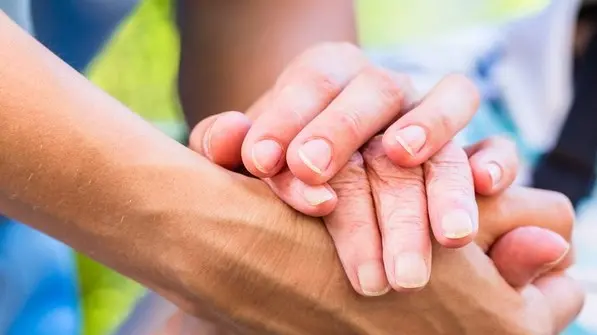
{"x":288,"y":280}
{"x":522,"y":252}
{"x":332,"y":99}
{"x":401,"y":201}
{"x":521,"y":256}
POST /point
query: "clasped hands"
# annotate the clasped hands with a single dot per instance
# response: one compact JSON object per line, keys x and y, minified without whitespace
{"x":312,"y":140}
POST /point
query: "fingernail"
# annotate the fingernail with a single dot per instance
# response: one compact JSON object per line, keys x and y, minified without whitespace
{"x":457,"y":224}
{"x":412,"y":139}
{"x":410,"y":270}
{"x":317,"y":195}
{"x":207,"y":142}
{"x":372,"y":279}
{"x":266,"y":154}
{"x":564,"y":246}
{"x":495,"y":173}
{"x":316,"y":154}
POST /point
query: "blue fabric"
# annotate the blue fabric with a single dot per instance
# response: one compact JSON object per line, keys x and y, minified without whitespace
{"x":76,"y":30}
{"x":39,"y":293}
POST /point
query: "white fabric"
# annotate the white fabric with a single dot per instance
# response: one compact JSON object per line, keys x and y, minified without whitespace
{"x":536,"y":74}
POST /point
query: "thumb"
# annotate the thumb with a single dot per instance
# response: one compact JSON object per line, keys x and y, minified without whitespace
{"x":564,"y":296}
{"x":523,"y":207}
{"x":557,"y":298}
{"x":220,"y":138}
{"x":528,"y":252}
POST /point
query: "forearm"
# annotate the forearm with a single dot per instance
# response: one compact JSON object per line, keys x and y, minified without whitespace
{"x":79,"y":166}
{"x":232,"y":51}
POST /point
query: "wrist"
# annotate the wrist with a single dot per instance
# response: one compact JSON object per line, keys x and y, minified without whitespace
{"x":263,"y":265}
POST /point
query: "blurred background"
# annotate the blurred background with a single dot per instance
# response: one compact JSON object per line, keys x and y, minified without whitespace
{"x":533,"y":59}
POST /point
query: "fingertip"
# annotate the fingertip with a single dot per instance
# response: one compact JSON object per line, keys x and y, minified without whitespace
{"x":483,"y":179}
{"x":263,"y":157}
{"x":304,"y":168}
{"x":316,"y":201}
{"x":372,"y":281}
{"x":410,"y":272}
{"x":222,"y":142}
{"x":527,"y":252}
{"x":456,"y":229}
{"x":199,"y":134}
{"x":399,"y":152}
{"x":488,"y":177}
{"x":494,"y":163}
{"x":320,"y":200}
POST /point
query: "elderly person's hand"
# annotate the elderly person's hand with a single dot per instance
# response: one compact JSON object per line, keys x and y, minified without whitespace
{"x":333,"y":95}
{"x":519,"y":249}
{"x":505,"y":283}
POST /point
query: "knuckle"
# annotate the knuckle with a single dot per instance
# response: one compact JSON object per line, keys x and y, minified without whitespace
{"x":450,"y":185}
{"x":352,"y":179}
{"x":449,"y":176}
{"x":450,"y":156}
{"x":400,"y":223}
{"x":353,"y":187}
{"x":351,"y":122}
{"x":448,"y":169}
{"x":410,"y":97}
{"x":288,"y":106}
{"x":356,"y":226}
{"x":387,"y":83}
{"x":448,"y":163}
{"x":398,"y":180}
{"x":322,"y":82}
{"x":338,"y":60}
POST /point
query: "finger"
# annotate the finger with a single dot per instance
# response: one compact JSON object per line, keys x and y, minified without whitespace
{"x":197,"y":138}
{"x":220,"y":138}
{"x":423,"y":131}
{"x":494,"y":163}
{"x":369,"y":102}
{"x":227,"y":131}
{"x":316,"y":201}
{"x":526,"y":253}
{"x":523,"y":207}
{"x":353,"y":227}
{"x":451,"y":197}
{"x":561,"y":295}
{"x":309,"y":84}
{"x":399,"y":195}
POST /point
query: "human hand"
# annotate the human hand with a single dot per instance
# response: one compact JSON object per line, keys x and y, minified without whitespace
{"x":383,"y":94}
{"x":524,"y":252}
{"x":406,"y":231}
{"x":282,"y":263}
